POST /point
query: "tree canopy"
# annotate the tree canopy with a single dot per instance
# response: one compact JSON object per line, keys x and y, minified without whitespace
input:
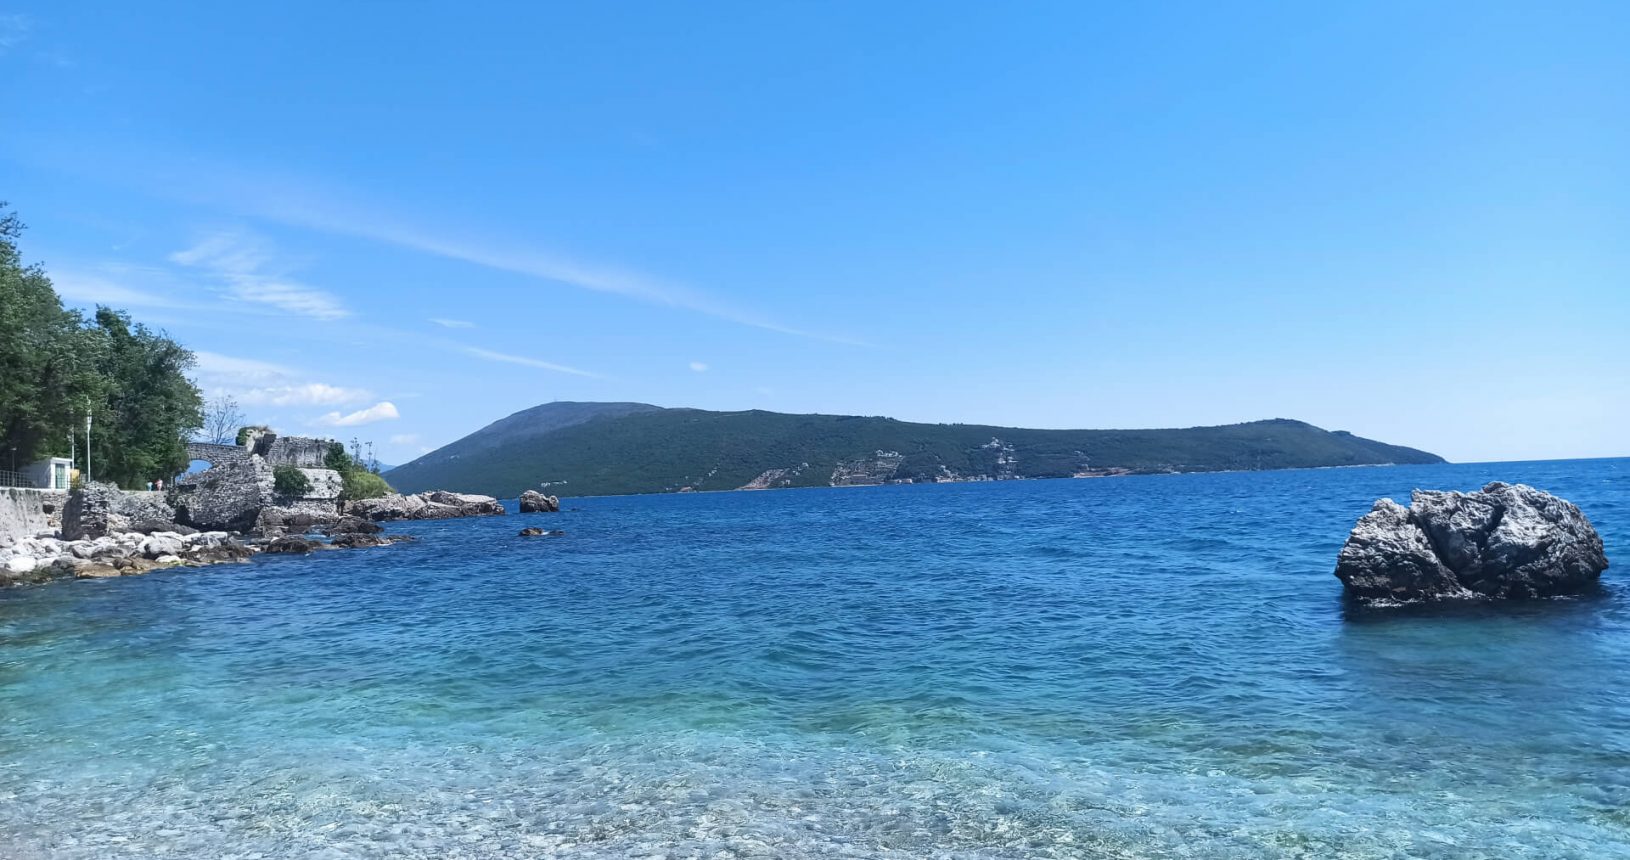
{"x":56,"y":365}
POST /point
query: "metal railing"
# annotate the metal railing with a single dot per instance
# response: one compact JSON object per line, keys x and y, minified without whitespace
{"x":14,"y":479}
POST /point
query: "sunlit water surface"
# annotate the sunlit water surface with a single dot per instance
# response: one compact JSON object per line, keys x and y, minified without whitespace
{"x":1124,"y":668}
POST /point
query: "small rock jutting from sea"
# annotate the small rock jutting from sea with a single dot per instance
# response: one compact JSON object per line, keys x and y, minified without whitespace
{"x":533,"y":501}
{"x":1504,"y":541}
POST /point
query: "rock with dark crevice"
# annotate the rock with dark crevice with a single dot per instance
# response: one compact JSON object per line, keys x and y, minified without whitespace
{"x":349,"y":524}
{"x":533,"y":501}
{"x":292,"y":544}
{"x":1504,"y":541}
{"x":359,"y":540}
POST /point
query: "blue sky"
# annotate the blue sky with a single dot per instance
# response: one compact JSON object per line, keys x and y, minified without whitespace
{"x":401,"y":222}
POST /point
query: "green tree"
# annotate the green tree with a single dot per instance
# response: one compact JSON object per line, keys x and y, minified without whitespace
{"x":151,"y":406}
{"x":48,"y":362}
{"x":359,"y":482}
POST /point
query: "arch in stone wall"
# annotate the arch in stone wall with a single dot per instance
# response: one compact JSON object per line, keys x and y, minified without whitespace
{"x":216,"y":455}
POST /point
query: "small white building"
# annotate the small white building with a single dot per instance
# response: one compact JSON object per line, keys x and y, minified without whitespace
{"x":52,"y":473}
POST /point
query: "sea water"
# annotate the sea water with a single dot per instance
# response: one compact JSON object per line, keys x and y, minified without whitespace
{"x":1122,"y":668}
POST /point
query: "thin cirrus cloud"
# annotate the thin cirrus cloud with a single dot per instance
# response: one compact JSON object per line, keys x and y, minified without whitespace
{"x":318,"y":211}
{"x":293,"y":201}
{"x":253,"y":382}
{"x":14,"y":30}
{"x":525,"y":361}
{"x":95,"y":289}
{"x":308,"y":394}
{"x":447,"y":323}
{"x":213,"y":367}
{"x":384,"y":410}
{"x":244,"y":263}
{"x":698,"y":366}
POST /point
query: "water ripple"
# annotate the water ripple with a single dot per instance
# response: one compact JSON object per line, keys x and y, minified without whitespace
{"x":1145,"y":667}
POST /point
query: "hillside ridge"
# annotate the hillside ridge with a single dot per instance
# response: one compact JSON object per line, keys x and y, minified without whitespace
{"x":581,"y":449}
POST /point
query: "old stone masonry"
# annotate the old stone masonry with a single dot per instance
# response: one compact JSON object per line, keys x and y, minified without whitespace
{"x":238,"y":490}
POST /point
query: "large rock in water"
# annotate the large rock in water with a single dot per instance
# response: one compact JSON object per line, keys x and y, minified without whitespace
{"x":432,"y":505}
{"x":533,"y":501}
{"x":1507,"y":540}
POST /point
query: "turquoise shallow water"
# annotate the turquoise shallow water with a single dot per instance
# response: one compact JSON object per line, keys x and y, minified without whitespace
{"x":1126,"y":668}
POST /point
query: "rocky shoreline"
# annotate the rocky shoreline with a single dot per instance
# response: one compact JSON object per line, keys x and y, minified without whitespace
{"x":106,"y":532}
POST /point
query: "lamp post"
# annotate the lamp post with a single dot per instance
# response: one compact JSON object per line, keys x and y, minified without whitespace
{"x":87,"y":447}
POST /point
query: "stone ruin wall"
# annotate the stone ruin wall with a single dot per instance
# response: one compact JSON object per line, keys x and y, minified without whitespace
{"x":302,"y":451}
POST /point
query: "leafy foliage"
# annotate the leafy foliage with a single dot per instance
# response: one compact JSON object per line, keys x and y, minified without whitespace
{"x":48,"y":359}
{"x":359,"y":482}
{"x":337,"y":459}
{"x":243,"y":432}
{"x":56,"y":366}
{"x":363,"y":484}
{"x":150,"y":405}
{"x":290,"y":481}
{"x":661,"y":450}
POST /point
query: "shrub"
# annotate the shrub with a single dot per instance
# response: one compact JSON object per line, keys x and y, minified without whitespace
{"x":290,"y":481}
{"x":337,"y":459}
{"x":243,"y":432}
{"x":363,"y":484}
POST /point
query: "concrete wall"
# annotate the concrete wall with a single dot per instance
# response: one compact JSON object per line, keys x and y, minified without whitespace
{"x":22,"y":514}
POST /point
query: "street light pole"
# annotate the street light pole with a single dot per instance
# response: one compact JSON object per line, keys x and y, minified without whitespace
{"x":87,"y":447}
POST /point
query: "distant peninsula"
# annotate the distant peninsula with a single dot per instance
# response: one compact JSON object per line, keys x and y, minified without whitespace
{"x":591,"y":449}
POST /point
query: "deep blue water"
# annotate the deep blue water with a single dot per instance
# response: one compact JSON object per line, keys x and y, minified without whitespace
{"x":1123,"y":668}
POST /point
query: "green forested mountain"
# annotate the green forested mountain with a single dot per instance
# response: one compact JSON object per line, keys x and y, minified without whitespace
{"x":583,"y":449}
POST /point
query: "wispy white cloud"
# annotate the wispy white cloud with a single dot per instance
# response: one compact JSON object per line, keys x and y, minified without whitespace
{"x":304,"y":208}
{"x":254,"y":382}
{"x":307,"y":394}
{"x":244,"y":263}
{"x":14,"y":30}
{"x":405,"y":439}
{"x":381,"y":411}
{"x":525,"y":361}
{"x":241,"y":371}
{"x":94,"y":289}
{"x":447,"y":323}
{"x":294,"y":298}
{"x":698,"y":366}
